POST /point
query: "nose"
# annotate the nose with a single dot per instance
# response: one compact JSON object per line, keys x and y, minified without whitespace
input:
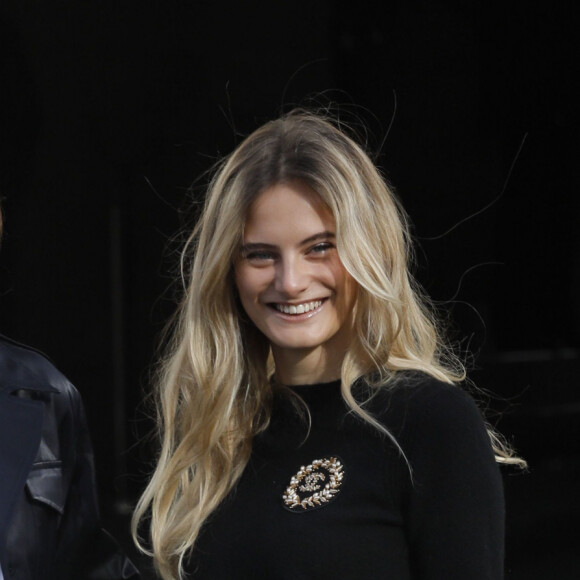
{"x":291,"y":277}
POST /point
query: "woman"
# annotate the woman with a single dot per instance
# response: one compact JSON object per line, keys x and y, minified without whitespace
{"x":311,"y":425}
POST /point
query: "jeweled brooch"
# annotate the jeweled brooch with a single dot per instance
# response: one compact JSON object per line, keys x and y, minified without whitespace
{"x":314,"y":485}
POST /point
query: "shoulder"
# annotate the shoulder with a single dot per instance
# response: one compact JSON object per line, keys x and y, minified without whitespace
{"x":452,"y":492}
{"x":420,"y":410}
{"x":443,"y":435}
{"x":25,"y":368}
{"x":417,"y":396}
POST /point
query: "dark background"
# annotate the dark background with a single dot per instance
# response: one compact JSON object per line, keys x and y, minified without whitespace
{"x":111,"y":109}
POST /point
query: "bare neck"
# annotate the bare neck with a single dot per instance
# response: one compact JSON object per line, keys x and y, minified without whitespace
{"x":307,"y":367}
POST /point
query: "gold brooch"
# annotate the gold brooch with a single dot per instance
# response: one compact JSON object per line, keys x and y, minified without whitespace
{"x":321,"y":479}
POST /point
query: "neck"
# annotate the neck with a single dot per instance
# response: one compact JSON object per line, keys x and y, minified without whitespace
{"x":307,"y":367}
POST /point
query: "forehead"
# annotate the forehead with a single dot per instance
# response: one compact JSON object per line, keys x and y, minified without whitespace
{"x":287,"y":208}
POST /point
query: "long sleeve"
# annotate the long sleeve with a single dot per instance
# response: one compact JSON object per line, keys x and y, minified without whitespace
{"x":455,"y":506}
{"x":84,"y":549}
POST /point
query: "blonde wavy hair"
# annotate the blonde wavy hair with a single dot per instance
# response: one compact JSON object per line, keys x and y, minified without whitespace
{"x":213,"y":389}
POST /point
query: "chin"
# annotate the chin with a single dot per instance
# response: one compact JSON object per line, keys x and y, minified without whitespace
{"x":296,"y":342}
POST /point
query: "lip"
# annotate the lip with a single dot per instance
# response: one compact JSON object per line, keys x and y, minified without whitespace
{"x":297,"y":317}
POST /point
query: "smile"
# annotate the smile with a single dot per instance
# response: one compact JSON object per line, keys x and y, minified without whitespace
{"x":298,"y":308}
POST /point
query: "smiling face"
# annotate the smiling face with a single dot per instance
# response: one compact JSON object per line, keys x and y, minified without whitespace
{"x":290,"y":279}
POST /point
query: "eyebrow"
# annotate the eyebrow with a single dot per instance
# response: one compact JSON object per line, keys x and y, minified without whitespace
{"x":256,"y":246}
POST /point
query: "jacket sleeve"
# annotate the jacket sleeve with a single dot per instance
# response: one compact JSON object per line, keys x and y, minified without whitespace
{"x":85,"y":551}
{"x":455,"y":505}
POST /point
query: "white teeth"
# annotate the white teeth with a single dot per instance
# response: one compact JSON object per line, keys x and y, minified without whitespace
{"x":298,"y":309}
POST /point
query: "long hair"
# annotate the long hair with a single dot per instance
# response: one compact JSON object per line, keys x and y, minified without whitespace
{"x":213,"y":388}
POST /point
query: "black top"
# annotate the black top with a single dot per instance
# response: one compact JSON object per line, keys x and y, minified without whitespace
{"x":369,"y":519}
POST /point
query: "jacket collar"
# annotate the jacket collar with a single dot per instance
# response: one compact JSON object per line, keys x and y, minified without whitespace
{"x":23,"y":368}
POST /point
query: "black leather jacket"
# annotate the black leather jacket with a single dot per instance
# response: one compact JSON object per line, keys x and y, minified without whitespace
{"x":49,"y":521}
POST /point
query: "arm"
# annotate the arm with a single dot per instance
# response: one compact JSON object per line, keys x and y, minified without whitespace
{"x":85,"y":551}
{"x":455,"y":506}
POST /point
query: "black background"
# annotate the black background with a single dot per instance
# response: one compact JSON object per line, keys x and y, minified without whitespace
{"x":111,"y":109}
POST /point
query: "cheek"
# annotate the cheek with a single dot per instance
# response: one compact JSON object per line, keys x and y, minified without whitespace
{"x":244,"y":294}
{"x":347,"y":291}
{"x":350,"y":291}
{"x":346,"y":286}
{"x":242,"y":283}
{"x":249,"y":282}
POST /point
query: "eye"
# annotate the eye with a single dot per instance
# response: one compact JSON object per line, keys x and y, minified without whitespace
{"x":321,"y":248}
{"x":258,"y":256}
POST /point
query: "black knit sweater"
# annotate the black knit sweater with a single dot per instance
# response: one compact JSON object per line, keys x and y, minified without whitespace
{"x":356,"y":512}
